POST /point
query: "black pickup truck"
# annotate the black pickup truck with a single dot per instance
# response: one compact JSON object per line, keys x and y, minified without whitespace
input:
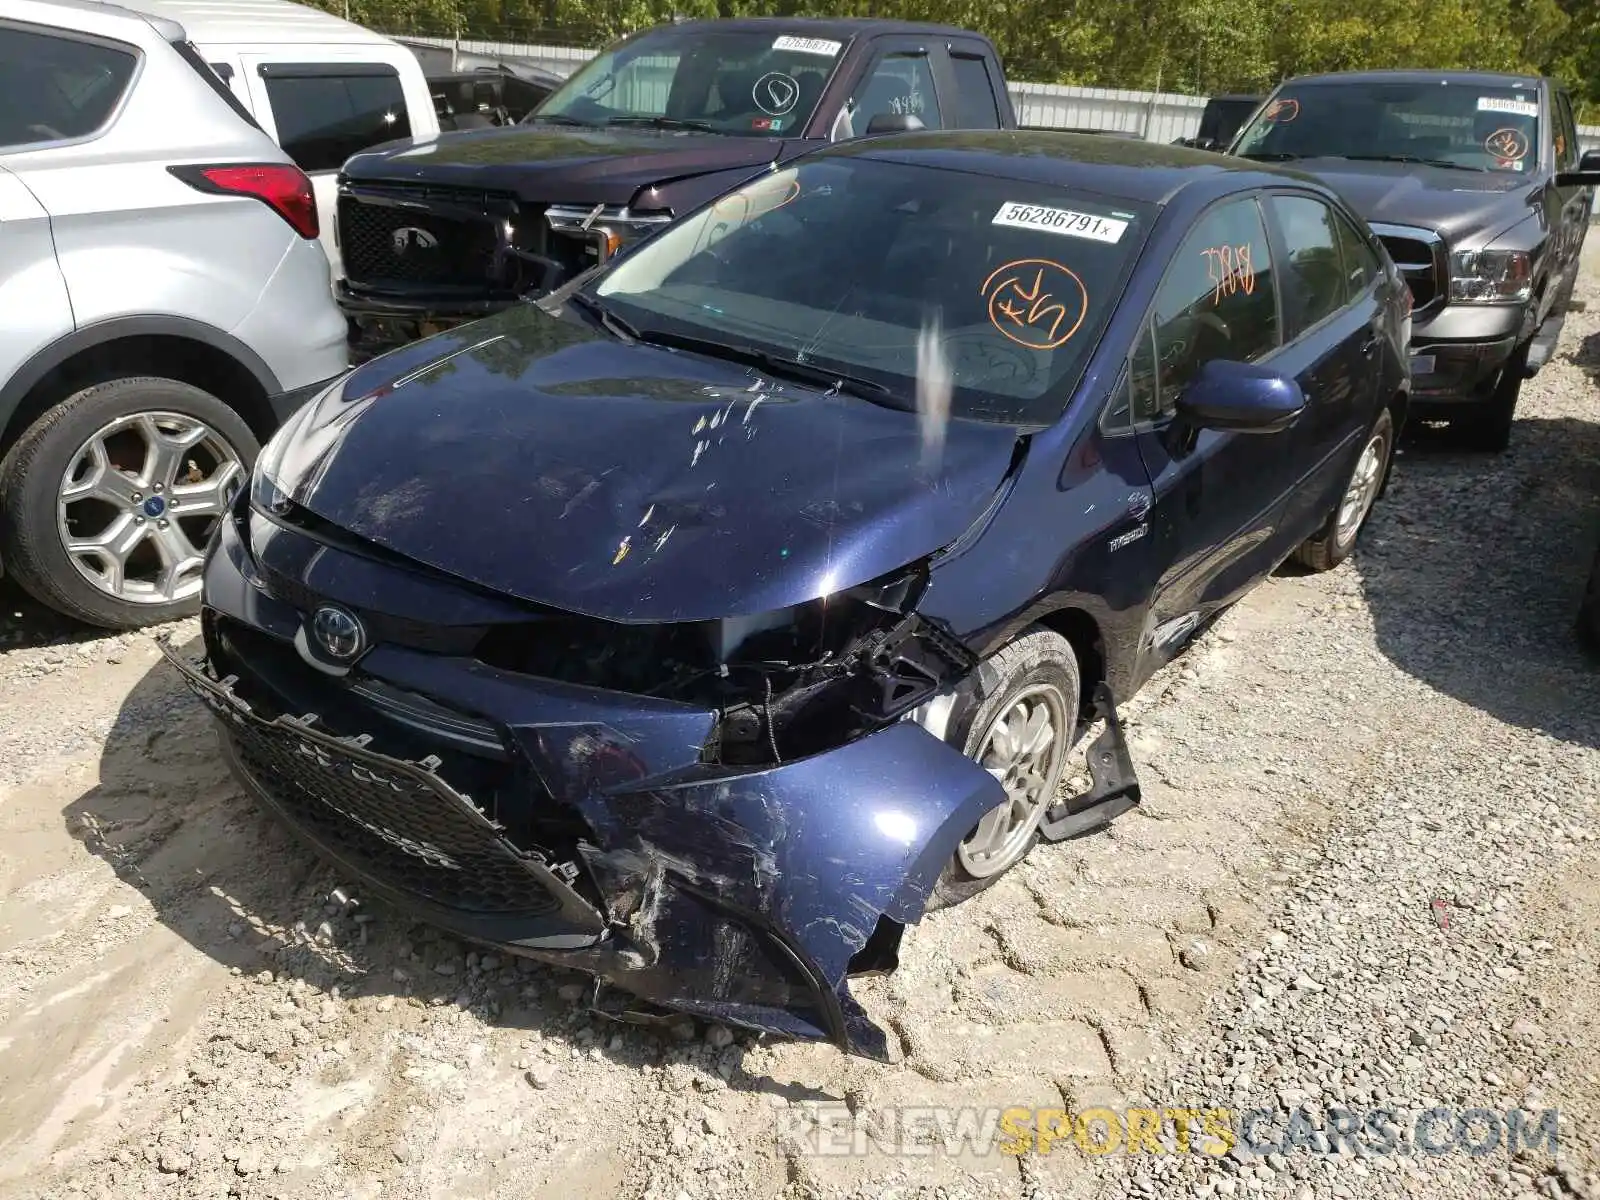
{"x":1474,"y":183}
{"x":439,"y":231}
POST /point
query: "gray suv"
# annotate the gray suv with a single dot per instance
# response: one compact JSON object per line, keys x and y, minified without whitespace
{"x":165,"y":305}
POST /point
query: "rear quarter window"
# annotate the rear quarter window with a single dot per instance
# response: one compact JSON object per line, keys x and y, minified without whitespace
{"x":326,"y":113}
{"x":56,"y":88}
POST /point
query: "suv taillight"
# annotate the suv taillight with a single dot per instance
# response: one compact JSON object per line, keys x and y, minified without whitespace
{"x":283,"y":188}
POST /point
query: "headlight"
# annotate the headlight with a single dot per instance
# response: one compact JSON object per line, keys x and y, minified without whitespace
{"x":606,"y":227}
{"x":266,"y":492}
{"x":284,"y":459}
{"x":1490,"y":276}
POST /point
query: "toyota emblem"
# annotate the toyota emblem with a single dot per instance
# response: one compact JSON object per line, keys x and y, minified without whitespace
{"x":338,"y":633}
{"x":408,"y":238}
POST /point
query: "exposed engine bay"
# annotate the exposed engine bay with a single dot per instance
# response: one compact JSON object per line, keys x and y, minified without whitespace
{"x":785,"y":685}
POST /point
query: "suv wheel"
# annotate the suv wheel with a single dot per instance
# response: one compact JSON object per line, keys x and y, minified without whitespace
{"x":108,"y":500}
{"x":1488,"y":425}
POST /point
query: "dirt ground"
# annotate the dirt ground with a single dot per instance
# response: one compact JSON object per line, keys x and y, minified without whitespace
{"x":190,"y":1005}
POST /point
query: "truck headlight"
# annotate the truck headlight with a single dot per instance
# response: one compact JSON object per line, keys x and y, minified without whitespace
{"x":606,"y":227}
{"x":1490,"y":276}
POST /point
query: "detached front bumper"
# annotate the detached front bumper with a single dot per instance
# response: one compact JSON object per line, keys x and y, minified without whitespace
{"x":1458,"y":352}
{"x":579,"y":826}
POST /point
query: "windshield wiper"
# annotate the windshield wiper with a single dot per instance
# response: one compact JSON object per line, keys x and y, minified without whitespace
{"x":777,"y":365}
{"x":555,"y":119}
{"x":1272,"y":156}
{"x":608,"y":320}
{"x":1410,"y":158}
{"x":665,"y":123}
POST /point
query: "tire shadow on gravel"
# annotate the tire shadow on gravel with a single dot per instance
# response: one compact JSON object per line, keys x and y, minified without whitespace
{"x":237,"y":886}
{"x":24,"y":622}
{"x":1473,"y":566}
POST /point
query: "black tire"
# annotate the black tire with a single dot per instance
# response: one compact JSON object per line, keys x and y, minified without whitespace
{"x":1325,"y":550}
{"x":1588,"y":624}
{"x":1038,"y":656}
{"x":1487,"y":426}
{"x":30,"y":479}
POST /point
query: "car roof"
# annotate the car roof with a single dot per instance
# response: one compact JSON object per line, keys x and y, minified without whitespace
{"x":842,"y":28}
{"x":1483,"y":78}
{"x":1151,"y":172}
{"x":91,"y":16}
{"x":254,"y":22}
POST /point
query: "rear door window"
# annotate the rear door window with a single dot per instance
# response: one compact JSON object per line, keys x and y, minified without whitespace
{"x":325,"y":112}
{"x":976,"y":107}
{"x":1360,"y":262}
{"x":1312,"y":277}
{"x":55,"y":88}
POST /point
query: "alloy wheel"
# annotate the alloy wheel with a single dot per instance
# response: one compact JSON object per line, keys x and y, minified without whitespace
{"x":138,"y":502}
{"x":1362,"y":490}
{"x":1025,"y":749}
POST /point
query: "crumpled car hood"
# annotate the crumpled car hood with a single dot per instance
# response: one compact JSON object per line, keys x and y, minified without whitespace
{"x":546,"y":461}
{"x":556,"y":164}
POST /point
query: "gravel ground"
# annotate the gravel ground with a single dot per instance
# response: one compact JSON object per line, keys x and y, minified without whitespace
{"x":1364,"y":877}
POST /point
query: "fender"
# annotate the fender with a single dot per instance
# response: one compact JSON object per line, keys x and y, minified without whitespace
{"x":117,"y":328}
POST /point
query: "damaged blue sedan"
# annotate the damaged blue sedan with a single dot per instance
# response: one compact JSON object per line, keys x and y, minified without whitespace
{"x":705,"y":623}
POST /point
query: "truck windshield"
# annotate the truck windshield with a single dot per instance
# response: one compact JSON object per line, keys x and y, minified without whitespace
{"x":744,"y":82}
{"x":917,"y":286}
{"x":1448,"y":123}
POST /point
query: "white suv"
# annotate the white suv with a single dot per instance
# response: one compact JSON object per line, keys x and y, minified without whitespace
{"x":323,"y":87}
{"x":164,"y":304}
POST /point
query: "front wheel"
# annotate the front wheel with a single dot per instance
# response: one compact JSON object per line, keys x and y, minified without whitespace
{"x":1332,"y":544}
{"x":1017,"y":717}
{"x":107,"y":501}
{"x":1487,"y":426}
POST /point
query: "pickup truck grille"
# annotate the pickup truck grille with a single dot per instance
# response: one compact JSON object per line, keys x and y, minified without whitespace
{"x":1420,"y":255}
{"x":439,"y":237}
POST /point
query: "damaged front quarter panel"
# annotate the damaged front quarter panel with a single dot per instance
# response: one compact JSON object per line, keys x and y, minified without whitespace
{"x":818,"y":851}
{"x":747,"y":890}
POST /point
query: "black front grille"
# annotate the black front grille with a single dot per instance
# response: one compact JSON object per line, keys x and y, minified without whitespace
{"x":1416,"y":262}
{"x":450,"y":245}
{"x":396,"y":822}
{"x":411,"y":632}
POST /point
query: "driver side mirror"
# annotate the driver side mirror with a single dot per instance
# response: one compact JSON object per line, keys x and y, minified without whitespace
{"x":1588,"y":171}
{"x":894,"y":123}
{"x":1241,"y":398}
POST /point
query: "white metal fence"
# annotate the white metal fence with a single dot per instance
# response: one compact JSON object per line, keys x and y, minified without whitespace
{"x":1155,"y":116}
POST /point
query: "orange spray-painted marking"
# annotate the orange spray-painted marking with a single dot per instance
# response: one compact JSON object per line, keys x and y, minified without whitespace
{"x":1035,"y":302}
